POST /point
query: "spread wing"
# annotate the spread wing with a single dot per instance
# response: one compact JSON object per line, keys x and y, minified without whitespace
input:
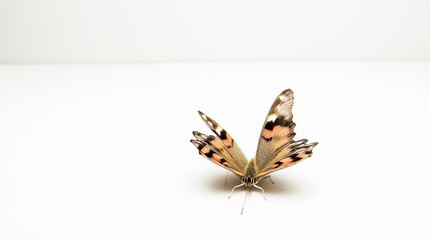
{"x":276,"y":147}
{"x":294,"y":154}
{"x":222,"y":145}
{"x":211,"y":154}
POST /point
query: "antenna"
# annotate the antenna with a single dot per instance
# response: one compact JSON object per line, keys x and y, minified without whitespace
{"x":243,"y":206}
{"x":240,"y":185}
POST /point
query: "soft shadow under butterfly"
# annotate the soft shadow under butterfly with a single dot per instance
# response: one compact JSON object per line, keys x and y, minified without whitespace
{"x":276,"y":147}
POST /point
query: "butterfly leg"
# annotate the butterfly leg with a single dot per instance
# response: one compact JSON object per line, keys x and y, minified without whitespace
{"x":262,"y":190}
{"x":240,"y":185}
{"x":270,"y":178}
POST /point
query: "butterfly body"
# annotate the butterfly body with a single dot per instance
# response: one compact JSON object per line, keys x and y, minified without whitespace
{"x":276,"y":147}
{"x":249,"y":178}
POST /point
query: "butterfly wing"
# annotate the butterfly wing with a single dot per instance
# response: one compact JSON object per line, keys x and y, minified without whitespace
{"x":225,"y":142}
{"x":276,"y":147}
{"x":211,"y":154}
{"x":294,"y":154}
{"x":217,"y":145}
{"x":220,"y":149}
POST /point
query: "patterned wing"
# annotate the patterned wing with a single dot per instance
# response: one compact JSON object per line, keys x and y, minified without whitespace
{"x":211,"y":154}
{"x":278,"y":129}
{"x":224,"y":143}
{"x":217,"y":145}
{"x":288,"y":156}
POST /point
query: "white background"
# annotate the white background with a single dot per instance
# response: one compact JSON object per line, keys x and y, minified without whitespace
{"x":103,"y":152}
{"x":213,"y":30}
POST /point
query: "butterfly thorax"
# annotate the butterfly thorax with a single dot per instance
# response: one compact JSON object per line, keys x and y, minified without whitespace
{"x":249,"y":178}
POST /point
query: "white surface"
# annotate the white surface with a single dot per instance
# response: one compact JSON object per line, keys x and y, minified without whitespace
{"x":214,"y":30}
{"x":103,"y":152}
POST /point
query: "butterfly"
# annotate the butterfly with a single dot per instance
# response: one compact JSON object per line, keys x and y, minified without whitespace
{"x":276,"y":147}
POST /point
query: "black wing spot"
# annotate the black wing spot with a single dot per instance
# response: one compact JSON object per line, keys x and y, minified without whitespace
{"x":295,"y":157}
{"x":209,"y":154}
{"x":280,"y":121}
{"x":269,"y":125}
{"x":277,"y":164}
{"x":223,"y":135}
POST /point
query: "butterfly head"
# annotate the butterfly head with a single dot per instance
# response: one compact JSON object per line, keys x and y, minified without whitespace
{"x":249,"y":181}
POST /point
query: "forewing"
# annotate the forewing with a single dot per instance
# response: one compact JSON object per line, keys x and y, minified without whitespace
{"x":292,"y":155}
{"x":216,"y":157}
{"x":225,"y":143}
{"x":217,"y":145}
{"x":278,"y":129}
